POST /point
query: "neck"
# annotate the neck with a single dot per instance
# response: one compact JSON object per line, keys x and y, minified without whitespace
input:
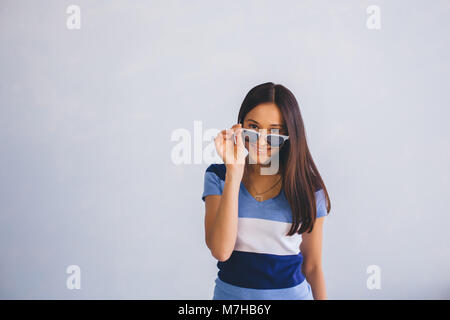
{"x":254,"y":170}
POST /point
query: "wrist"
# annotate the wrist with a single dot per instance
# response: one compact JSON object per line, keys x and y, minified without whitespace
{"x":233,"y":177}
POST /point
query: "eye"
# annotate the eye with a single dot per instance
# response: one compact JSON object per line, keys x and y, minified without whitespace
{"x":274,"y":131}
{"x":282,"y":132}
{"x":253,"y":126}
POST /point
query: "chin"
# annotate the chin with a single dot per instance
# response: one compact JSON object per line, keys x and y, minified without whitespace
{"x":254,"y":159}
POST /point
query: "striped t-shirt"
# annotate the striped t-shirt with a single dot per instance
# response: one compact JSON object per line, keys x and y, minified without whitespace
{"x":265,"y":263}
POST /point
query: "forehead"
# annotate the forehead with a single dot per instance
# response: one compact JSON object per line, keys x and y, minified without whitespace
{"x":266,"y":114}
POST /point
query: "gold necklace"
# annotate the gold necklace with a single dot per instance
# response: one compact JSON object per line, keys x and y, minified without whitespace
{"x":258,"y":196}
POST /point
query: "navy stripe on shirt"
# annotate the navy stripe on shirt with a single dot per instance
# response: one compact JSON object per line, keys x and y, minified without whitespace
{"x":261,"y":270}
{"x":218,"y":169}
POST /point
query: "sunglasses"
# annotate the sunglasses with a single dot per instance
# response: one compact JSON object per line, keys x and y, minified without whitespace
{"x":272,"y":139}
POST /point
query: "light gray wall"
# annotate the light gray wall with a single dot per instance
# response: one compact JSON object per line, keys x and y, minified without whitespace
{"x":86,"y":118}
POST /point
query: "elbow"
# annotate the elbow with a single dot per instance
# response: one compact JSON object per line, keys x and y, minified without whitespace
{"x":220,"y":253}
{"x":221,"y":256}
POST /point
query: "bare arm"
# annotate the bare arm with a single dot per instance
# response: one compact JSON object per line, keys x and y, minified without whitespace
{"x":311,"y":248}
{"x":221,"y":219}
{"x":221,"y":211}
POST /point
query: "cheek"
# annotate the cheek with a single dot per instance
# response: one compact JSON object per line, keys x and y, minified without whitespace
{"x":275,"y":151}
{"x":250,"y":146}
{"x":253,"y":151}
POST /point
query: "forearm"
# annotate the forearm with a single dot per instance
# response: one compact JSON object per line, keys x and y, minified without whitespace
{"x":224,"y":229}
{"x":316,"y":279}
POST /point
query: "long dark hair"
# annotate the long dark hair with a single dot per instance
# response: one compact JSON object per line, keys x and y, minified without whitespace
{"x":301,"y":179}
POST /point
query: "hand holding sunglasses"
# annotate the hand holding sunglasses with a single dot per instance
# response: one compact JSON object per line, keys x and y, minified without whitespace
{"x":232,"y":150}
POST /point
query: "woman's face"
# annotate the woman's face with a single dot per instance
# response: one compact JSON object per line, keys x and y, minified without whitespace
{"x":265,"y":118}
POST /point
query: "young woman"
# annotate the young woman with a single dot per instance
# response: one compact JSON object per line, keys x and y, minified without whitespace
{"x":265,"y":206}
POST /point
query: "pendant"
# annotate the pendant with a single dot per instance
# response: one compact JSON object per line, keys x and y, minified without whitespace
{"x":259,"y":198}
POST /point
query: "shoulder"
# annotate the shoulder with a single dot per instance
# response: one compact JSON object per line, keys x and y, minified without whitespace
{"x":320,"y":195}
{"x":218,"y":169}
{"x":319,"y":191}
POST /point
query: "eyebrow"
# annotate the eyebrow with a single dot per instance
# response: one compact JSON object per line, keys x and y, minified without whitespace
{"x":272,"y":125}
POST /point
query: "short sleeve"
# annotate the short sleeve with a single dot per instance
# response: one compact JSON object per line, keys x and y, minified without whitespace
{"x":212,"y":185}
{"x":321,"y":204}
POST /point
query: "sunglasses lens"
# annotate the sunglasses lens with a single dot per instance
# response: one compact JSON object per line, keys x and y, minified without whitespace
{"x":249,"y":136}
{"x":274,"y":141}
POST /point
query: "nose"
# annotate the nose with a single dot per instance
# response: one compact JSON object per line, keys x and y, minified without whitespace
{"x":262,"y":142}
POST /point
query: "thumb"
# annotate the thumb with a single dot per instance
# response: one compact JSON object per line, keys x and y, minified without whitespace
{"x":238,"y":134}
{"x":239,"y":139}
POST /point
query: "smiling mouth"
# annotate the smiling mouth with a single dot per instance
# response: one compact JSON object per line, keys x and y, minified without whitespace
{"x":261,"y":151}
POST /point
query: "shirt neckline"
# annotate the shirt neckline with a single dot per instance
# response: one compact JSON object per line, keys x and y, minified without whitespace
{"x":260,"y":202}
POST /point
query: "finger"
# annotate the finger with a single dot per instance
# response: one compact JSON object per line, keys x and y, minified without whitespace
{"x":218,"y":138}
{"x":218,"y":143}
{"x":234,"y":127}
{"x":238,"y":132}
{"x":229,"y":136}
{"x":239,"y":139}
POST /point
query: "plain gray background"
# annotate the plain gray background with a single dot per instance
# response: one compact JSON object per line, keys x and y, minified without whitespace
{"x":86,"y":118}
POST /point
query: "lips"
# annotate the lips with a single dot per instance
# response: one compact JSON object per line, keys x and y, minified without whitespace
{"x":258,"y":150}
{"x":261,"y":151}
